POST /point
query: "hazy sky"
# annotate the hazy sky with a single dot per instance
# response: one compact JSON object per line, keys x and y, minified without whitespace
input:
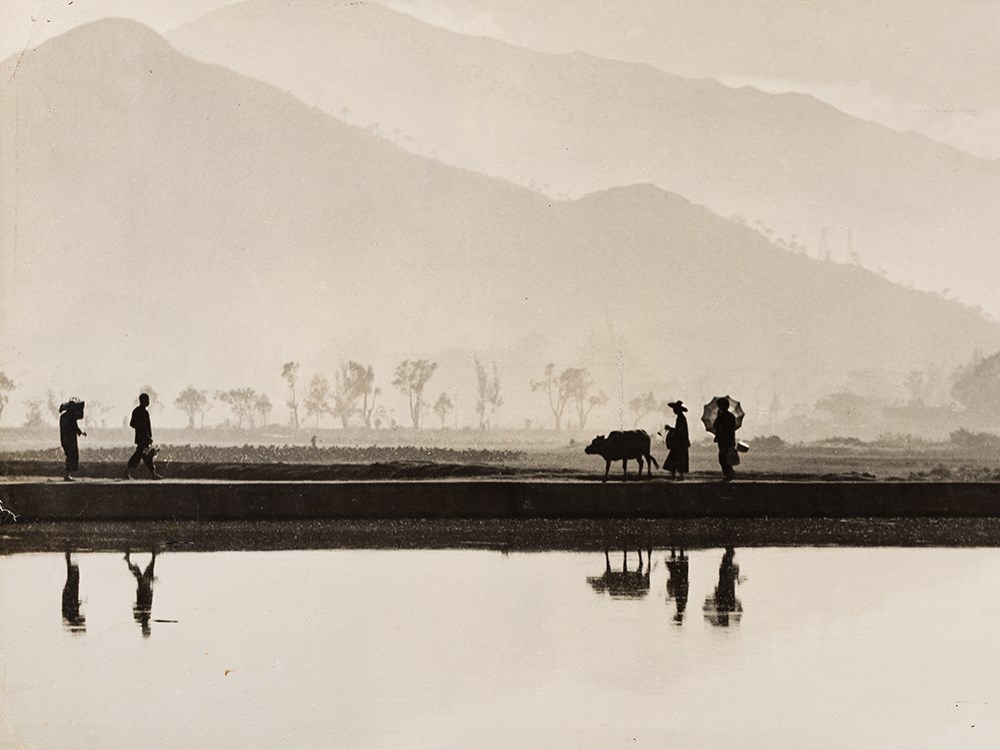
{"x":26,"y":23}
{"x":924,"y":65}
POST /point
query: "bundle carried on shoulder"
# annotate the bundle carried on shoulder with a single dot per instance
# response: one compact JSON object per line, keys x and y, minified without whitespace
{"x":74,"y":405}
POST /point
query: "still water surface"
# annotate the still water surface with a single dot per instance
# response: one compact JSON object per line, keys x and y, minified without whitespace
{"x":760,"y":648}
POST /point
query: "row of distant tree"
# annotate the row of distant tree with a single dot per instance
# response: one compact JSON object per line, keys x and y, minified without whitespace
{"x":353,"y":393}
{"x":352,"y":396}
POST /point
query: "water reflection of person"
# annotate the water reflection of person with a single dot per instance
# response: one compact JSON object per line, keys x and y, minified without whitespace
{"x":143,"y":608}
{"x":626,"y":584}
{"x":73,"y":619}
{"x":677,"y":583}
{"x":724,"y":607}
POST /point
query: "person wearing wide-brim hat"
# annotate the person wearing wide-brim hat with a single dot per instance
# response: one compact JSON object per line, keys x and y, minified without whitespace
{"x":678,"y":443}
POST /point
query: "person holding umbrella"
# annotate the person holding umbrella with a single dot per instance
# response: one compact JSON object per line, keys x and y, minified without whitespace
{"x":723,"y":416}
{"x":725,"y":436}
{"x":678,"y":442}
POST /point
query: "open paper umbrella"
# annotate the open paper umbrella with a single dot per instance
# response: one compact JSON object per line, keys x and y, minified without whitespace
{"x":712,"y":411}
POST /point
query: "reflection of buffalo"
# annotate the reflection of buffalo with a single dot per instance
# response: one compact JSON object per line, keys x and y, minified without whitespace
{"x":621,"y":446}
{"x":626,"y":584}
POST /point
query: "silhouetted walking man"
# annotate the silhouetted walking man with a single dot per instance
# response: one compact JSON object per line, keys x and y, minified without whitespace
{"x":70,"y":414}
{"x":143,"y":439}
{"x":725,"y":436}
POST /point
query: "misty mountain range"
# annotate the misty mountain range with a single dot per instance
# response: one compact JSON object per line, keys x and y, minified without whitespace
{"x":916,"y":65}
{"x":174,"y":221}
{"x":573,"y":124}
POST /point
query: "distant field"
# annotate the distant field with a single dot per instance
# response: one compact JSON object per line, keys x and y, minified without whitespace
{"x":442,"y":453}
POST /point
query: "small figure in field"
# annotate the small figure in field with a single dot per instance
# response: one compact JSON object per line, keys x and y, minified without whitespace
{"x":70,"y":414}
{"x":142,"y":610}
{"x":725,"y":437}
{"x":144,"y":450}
{"x":678,"y":442}
{"x":621,"y":446}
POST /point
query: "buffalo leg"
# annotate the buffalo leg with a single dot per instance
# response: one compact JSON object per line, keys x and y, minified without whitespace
{"x":607,"y":468}
{"x":624,"y":469}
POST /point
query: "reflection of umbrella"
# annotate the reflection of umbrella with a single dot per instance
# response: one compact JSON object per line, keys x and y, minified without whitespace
{"x":721,"y":614}
{"x":712,"y":411}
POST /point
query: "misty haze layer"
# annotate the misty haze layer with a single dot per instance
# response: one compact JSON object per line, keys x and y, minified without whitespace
{"x":171,"y":220}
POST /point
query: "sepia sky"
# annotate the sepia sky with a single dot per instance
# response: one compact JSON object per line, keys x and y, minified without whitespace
{"x":26,"y":23}
{"x":925,"y":65}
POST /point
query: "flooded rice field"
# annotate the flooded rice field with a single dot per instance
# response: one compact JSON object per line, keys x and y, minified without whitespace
{"x":710,"y":647}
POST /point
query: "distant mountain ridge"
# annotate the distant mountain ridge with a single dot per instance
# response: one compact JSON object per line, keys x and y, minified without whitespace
{"x":572,"y":124}
{"x":165,"y":218}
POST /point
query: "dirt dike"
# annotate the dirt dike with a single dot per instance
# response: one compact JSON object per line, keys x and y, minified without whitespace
{"x":552,"y":497}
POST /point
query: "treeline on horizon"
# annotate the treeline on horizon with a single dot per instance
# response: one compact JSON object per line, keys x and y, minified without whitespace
{"x":353,"y":399}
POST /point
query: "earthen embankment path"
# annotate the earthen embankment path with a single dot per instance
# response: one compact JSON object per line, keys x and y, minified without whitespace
{"x":485,"y":498}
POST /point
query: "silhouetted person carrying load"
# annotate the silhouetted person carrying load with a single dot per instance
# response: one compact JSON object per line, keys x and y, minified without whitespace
{"x":725,"y":436}
{"x":144,"y":450}
{"x":70,"y":414}
{"x":678,"y":443}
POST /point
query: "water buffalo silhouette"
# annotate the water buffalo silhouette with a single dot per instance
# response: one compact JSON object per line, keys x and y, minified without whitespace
{"x":621,"y":446}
